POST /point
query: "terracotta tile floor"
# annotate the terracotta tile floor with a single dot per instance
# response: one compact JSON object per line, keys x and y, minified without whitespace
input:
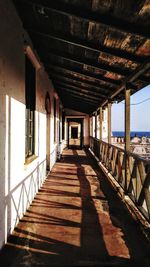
{"x":76,"y":220}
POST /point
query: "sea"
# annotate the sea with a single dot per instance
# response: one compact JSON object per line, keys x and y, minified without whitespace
{"x":132,"y":134}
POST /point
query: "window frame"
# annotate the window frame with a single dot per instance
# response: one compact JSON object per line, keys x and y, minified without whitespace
{"x":55,"y":119}
{"x":30,"y":102}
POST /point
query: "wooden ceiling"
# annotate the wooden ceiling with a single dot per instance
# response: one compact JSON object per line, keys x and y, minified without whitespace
{"x":91,"y":49}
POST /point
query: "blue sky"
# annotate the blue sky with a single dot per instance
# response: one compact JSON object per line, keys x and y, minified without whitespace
{"x":140,"y":114}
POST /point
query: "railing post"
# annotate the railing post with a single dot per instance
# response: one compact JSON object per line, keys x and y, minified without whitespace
{"x":127,"y":135}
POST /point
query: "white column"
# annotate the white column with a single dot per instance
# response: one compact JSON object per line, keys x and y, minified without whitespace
{"x":100,"y":123}
{"x":127,"y":119}
{"x":109,"y":122}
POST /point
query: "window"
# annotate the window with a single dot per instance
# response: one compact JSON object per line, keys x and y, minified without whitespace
{"x":55,"y":120}
{"x":30,"y":74}
{"x":60,"y":124}
{"x":63,"y":125}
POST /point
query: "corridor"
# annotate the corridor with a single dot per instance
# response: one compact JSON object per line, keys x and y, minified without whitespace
{"x":76,"y":219}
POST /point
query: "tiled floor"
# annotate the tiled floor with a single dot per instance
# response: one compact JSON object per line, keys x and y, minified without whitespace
{"x":76,"y":220}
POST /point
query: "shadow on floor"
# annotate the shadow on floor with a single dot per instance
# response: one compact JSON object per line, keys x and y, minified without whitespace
{"x":67,"y":225}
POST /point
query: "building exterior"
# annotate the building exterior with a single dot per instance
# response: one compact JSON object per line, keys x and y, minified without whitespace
{"x":22,"y":167}
{"x":33,"y":127}
{"x":138,"y":145}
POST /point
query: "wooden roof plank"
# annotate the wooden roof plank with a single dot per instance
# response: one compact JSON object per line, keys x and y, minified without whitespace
{"x":104,"y":93}
{"x":91,"y":94}
{"x":77,"y":79}
{"x":78,"y":93}
{"x":85,"y":44}
{"x":87,"y":14}
{"x":84,"y":61}
{"x":84,"y":73}
{"x":77,"y":87}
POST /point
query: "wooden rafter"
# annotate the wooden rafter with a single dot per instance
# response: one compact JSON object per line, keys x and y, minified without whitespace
{"x":88,"y":15}
{"x":102,"y":93}
{"x":84,"y":73}
{"x":85,"y":44}
{"x":69,"y":77}
{"x":90,"y":94}
{"x":83,"y":61}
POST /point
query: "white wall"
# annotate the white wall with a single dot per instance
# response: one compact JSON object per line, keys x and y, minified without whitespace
{"x":19,"y":181}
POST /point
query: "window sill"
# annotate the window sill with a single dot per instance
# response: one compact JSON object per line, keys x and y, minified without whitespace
{"x":30,"y":159}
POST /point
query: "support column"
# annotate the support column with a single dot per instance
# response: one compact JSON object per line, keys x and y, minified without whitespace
{"x":95,"y":124}
{"x":127,"y":119}
{"x":92,"y":125}
{"x":100,"y":123}
{"x":109,"y":122}
{"x":127,"y":136}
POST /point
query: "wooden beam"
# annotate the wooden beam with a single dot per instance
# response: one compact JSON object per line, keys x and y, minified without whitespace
{"x":77,"y":88}
{"x":77,"y":96}
{"x":81,"y":60}
{"x":88,"y":15}
{"x":77,"y":101}
{"x":80,"y":85}
{"x":88,"y":45}
{"x":69,"y":77}
{"x":86,"y":110}
{"x":78,"y":105}
{"x":143,"y":68}
{"x":104,"y":87}
{"x":83,"y":72}
{"x":78,"y":93}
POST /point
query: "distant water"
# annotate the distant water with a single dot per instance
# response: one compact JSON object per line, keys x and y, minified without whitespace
{"x":132,"y":134}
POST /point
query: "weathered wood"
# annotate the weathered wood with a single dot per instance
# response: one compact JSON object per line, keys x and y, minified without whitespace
{"x":83,"y":60}
{"x":79,"y":71}
{"x":57,"y":76}
{"x":137,"y":186}
{"x":78,"y":96}
{"x":143,"y":68}
{"x":100,"y":86}
{"x":76,"y":87}
{"x":85,"y":44}
{"x":84,"y":93}
{"x":108,"y":20}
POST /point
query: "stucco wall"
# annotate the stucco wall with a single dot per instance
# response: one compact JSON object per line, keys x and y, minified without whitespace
{"x":19,"y":181}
